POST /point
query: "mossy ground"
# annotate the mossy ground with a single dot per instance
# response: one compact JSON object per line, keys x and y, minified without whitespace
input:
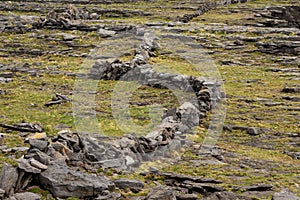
{"x":246,"y":86}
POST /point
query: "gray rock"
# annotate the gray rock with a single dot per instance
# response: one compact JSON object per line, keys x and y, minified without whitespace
{"x":253,"y":131}
{"x":38,"y":144}
{"x":202,"y":188}
{"x":189,"y":114}
{"x":153,"y":170}
{"x":4,"y":149}
{"x":25,"y":127}
{"x":37,"y":164}
{"x":39,"y":156}
{"x":25,"y":165}
{"x":129,"y":160}
{"x":24,"y":180}
{"x":27,"y":196}
{"x":186,"y":197}
{"x":127,"y":183}
{"x":285,"y":195}
{"x":68,"y":37}
{"x":105,"y":33}
{"x":68,"y":135}
{"x":64,"y":182}
{"x":8,"y":179}
{"x":161,"y":193}
{"x":225,"y":196}
{"x":259,"y":187}
{"x":112,"y":163}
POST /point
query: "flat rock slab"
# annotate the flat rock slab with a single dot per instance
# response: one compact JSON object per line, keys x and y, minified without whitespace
{"x":226,"y":196}
{"x":64,"y":182}
{"x":127,"y":183}
{"x":26,"y":196}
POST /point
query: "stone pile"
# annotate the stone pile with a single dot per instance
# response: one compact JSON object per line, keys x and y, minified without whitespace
{"x":48,"y":162}
{"x":169,"y":135}
{"x":73,"y":18}
{"x":45,"y":165}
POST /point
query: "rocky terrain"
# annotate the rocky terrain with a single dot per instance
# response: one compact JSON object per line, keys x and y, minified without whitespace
{"x":215,"y":114}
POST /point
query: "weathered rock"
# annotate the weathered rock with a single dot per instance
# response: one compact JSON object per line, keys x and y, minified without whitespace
{"x":256,"y":187}
{"x":64,"y":182}
{"x":186,"y":197}
{"x":8,"y":179}
{"x":37,"y":164}
{"x":4,"y":149}
{"x":105,"y":33}
{"x":161,"y":193}
{"x":58,"y":99}
{"x":38,"y":144}
{"x":39,"y":156}
{"x":225,"y":196}
{"x":25,"y":127}
{"x":24,"y":180}
{"x":279,"y":47}
{"x":27,"y":196}
{"x":281,"y":16}
{"x":189,"y":114}
{"x":127,"y":183}
{"x":285,"y":195}
{"x":250,"y":130}
{"x":253,"y":131}
{"x":25,"y":165}
{"x":202,"y":188}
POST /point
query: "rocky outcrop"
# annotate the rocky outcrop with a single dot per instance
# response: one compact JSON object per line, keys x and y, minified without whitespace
{"x":279,"y":47}
{"x":280,"y":16}
{"x":45,"y":165}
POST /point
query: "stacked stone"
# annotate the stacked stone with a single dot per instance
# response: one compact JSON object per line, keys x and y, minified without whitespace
{"x":46,"y":164}
{"x":131,"y":150}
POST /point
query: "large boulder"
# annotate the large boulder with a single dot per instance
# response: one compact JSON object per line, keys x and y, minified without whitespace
{"x":64,"y":182}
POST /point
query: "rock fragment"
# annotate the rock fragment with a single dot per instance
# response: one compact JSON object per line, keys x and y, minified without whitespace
{"x":105,"y":33}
